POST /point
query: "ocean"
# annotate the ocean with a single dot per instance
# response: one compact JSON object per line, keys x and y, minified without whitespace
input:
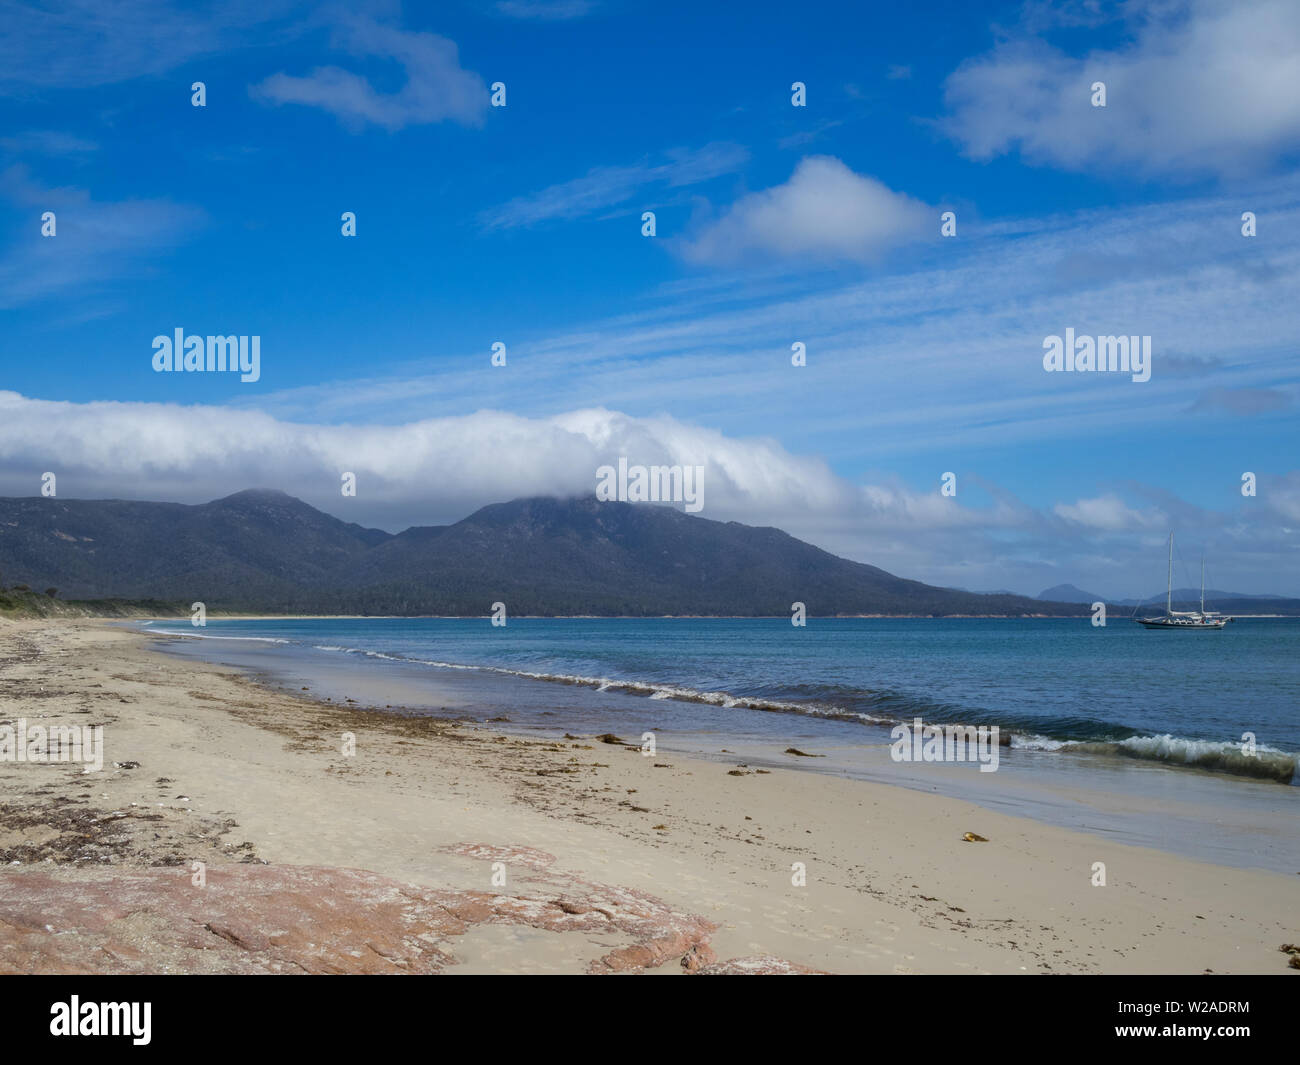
{"x":1206,"y":724}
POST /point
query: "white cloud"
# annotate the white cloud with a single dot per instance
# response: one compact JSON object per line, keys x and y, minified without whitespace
{"x":82,"y":43}
{"x":824,"y":211}
{"x":438,"y":470}
{"x":1283,"y":494}
{"x":96,"y":242}
{"x":1199,"y":86}
{"x":437,"y":88}
{"x":917,"y":363}
{"x":607,"y":186}
{"x":1110,"y":513}
{"x":434,"y":469}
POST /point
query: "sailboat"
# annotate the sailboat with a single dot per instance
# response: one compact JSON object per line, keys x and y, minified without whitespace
{"x":1198,"y":620}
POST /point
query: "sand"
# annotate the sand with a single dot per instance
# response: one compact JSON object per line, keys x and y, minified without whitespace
{"x":611,"y":860}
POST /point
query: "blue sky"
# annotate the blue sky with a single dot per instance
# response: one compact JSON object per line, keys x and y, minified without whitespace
{"x":775,"y":224}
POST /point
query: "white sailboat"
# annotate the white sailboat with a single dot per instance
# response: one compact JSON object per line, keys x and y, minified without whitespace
{"x":1197,"y":620}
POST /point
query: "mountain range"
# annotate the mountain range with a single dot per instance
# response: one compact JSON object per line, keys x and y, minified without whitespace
{"x":1184,"y":599}
{"x":265,"y":551}
{"x":262,"y":551}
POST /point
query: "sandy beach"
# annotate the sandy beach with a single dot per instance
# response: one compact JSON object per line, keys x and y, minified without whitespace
{"x":228,"y":831}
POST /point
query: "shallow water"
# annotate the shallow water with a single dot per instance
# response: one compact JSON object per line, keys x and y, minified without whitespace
{"x":1102,"y":720}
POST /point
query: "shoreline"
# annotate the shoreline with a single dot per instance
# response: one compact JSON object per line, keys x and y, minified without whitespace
{"x":683,"y":851}
{"x":225,"y":615}
{"x":1217,"y":806}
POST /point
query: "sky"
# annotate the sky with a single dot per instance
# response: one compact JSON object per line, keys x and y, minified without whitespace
{"x":774,"y":225}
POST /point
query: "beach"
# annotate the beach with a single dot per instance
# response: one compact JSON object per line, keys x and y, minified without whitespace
{"x":231,"y":829}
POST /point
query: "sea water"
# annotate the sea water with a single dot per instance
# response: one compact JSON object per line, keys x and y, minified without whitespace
{"x":1199,"y":729}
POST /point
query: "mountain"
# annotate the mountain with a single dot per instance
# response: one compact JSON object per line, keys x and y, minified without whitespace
{"x":1191,"y":595}
{"x":266,"y":551}
{"x":581,"y":556}
{"x":1068,"y":593}
{"x":1184,"y":599}
{"x":254,"y":546}
{"x":1239,"y":604}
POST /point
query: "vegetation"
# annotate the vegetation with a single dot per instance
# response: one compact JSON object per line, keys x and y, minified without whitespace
{"x":18,"y":603}
{"x":266,"y":552}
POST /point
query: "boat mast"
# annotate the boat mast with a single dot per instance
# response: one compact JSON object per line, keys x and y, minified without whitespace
{"x":1202,"y":585}
{"x":1169,"y":594}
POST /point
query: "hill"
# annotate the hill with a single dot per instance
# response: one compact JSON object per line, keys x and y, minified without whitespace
{"x":264,"y":551}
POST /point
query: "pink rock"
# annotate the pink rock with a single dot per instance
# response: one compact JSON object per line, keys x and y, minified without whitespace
{"x":306,"y":919}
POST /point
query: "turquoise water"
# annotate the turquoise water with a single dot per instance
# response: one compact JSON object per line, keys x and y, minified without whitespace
{"x":1180,"y":700}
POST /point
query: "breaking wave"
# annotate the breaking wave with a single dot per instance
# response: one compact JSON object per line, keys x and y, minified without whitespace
{"x":1266,"y":763}
{"x":208,"y":636}
{"x":1077,"y":735}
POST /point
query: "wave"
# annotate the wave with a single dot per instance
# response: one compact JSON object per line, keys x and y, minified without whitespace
{"x":1074,"y":734}
{"x":1264,"y":763}
{"x":207,"y":636}
{"x":650,"y":689}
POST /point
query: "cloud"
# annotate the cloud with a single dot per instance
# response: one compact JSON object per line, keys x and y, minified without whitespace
{"x":426,"y":471}
{"x":1200,"y":86}
{"x":437,"y":470}
{"x":807,"y":136}
{"x":1039,"y":15}
{"x":96,"y":242}
{"x":1190,"y":366}
{"x":437,"y":88}
{"x":1110,"y":513}
{"x":1283,"y":494}
{"x":824,"y":211}
{"x":1243,"y":401}
{"x":545,"y":10}
{"x":47,"y":142}
{"x":84,"y":43}
{"x":608,"y":186}
{"x":898,"y":73}
{"x":919,"y":362}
